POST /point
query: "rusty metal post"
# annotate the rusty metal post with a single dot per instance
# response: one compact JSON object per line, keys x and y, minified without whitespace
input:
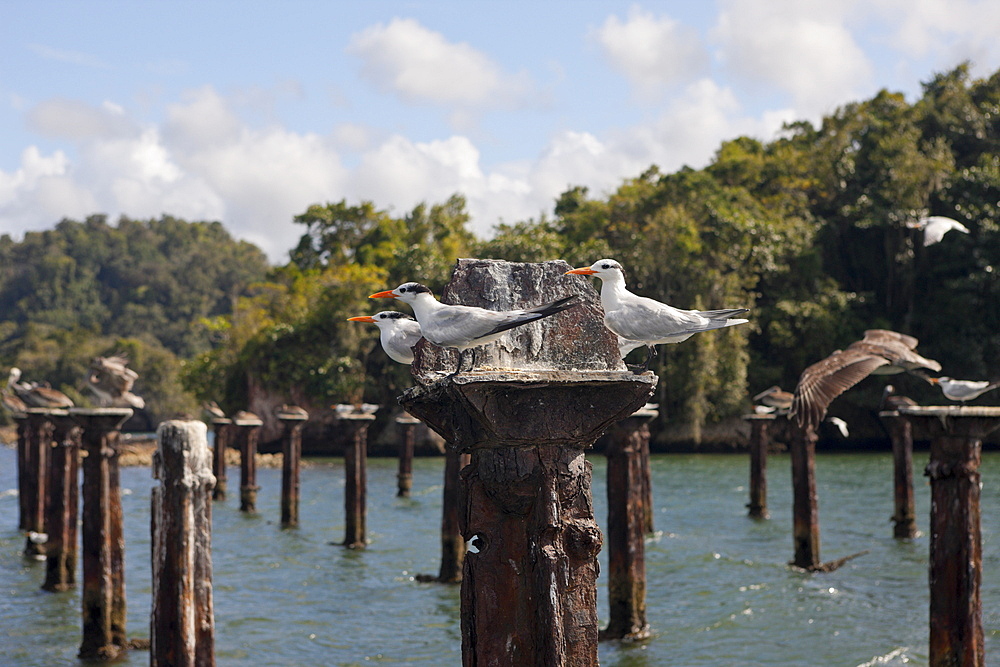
{"x":646,"y":479}
{"x":407,"y":429}
{"x":760,"y":440}
{"x":529,"y":581}
{"x":39,"y":443}
{"x":62,"y":509}
{"x":904,"y":517}
{"x":247,"y":433}
{"x":21,"y":420}
{"x":223,"y":429}
{"x":103,"y":593}
{"x":452,"y":544}
{"x":355,"y":470}
{"x":956,"y":549}
{"x":805,"y":510}
{"x":182,"y":625}
{"x":291,"y":450}
{"x":626,"y":523}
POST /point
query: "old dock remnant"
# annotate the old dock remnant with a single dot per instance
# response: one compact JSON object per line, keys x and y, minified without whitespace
{"x":904,"y":516}
{"x":223,"y":430}
{"x":956,"y":545}
{"x":356,"y":422}
{"x":760,"y":440}
{"x":247,"y":426}
{"x":407,"y":436}
{"x":292,"y":419}
{"x":182,"y":624}
{"x":539,"y":397}
{"x":62,"y":508}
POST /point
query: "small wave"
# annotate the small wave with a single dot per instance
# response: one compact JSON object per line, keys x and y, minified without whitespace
{"x":887,"y":658}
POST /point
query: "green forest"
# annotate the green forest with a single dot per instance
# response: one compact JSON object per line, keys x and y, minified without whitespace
{"x":809,"y":230}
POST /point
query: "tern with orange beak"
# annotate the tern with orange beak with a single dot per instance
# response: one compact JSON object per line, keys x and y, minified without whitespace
{"x":466,"y":327}
{"x":963,"y":390}
{"x":398,"y":333}
{"x":637,"y":318}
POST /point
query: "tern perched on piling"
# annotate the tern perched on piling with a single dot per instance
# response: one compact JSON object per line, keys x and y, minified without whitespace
{"x":466,"y":327}
{"x":963,"y":390}
{"x":398,"y":333}
{"x":639,"y":319}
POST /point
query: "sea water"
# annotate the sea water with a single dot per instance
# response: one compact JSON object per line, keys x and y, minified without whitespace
{"x":719,"y":591}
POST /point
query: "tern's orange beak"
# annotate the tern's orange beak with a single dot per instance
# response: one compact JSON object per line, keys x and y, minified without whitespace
{"x":387,"y":294}
{"x":585,"y":271}
{"x":363,"y":318}
{"x":933,"y":380}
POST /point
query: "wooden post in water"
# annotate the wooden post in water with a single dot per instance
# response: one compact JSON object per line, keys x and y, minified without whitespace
{"x":904,"y":517}
{"x":39,"y":443}
{"x":452,"y":544}
{"x":62,"y":510}
{"x":805,"y":506}
{"x":760,"y":440}
{"x":223,"y":429}
{"x":292,"y":419}
{"x":103,"y":595}
{"x":646,"y":480}
{"x":247,"y":426}
{"x":355,"y":470}
{"x":23,"y":428}
{"x":529,"y":583}
{"x":626,"y":523}
{"x":182,"y":625}
{"x":407,"y":435}
{"x":956,"y":547}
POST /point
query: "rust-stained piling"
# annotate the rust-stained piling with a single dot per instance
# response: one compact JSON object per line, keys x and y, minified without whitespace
{"x":292,"y":421}
{"x":23,"y":427}
{"x":247,"y":426}
{"x":182,"y":624}
{"x":529,"y":585}
{"x":223,"y":430}
{"x":760,"y":440}
{"x":805,"y":505}
{"x":62,"y":509}
{"x":625,"y":531}
{"x":452,"y":544}
{"x":904,"y":516}
{"x":36,"y":460}
{"x":956,"y":550}
{"x":646,"y":480}
{"x":407,"y":435}
{"x":103,"y":546}
{"x":355,"y":471}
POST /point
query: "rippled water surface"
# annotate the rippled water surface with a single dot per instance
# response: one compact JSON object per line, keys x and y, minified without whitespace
{"x":719,"y":590}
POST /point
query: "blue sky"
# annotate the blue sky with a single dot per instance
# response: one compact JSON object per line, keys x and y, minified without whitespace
{"x":248,"y":112}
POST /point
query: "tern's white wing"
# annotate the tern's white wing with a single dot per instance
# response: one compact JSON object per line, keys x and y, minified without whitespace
{"x":644,"y":319}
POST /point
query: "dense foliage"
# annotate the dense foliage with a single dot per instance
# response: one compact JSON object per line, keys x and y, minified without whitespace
{"x":810,"y":231}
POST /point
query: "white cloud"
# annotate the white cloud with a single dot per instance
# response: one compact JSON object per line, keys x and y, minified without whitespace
{"x":652,"y":52}
{"x":804,"y":49}
{"x":420,"y":66}
{"x":76,"y":120}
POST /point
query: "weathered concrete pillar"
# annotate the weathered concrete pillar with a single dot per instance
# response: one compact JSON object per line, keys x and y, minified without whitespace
{"x":223,"y":429}
{"x":529,"y":585}
{"x":103,"y":593}
{"x":904,"y":517}
{"x":760,"y":440}
{"x":39,"y":444}
{"x":355,"y":471}
{"x":407,"y":434}
{"x":956,"y":556}
{"x":625,"y":531}
{"x":805,"y":506}
{"x":247,"y":426}
{"x":182,"y":624}
{"x":62,"y":509}
{"x":291,"y":450}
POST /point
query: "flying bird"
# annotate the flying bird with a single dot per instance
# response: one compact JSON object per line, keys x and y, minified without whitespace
{"x":892,"y":402}
{"x":35,"y":395}
{"x":936,"y":226}
{"x":466,"y":327}
{"x":398,"y":333}
{"x":840,"y":425}
{"x":111,"y":381}
{"x":963,"y":390}
{"x":880,"y":352}
{"x":774,"y":397}
{"x":649,"y":322}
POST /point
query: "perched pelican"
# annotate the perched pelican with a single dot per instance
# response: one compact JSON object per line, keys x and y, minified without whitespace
{"x":637,"y":318}
{"x":936,"y":226}
{"x":287,"y":411}
{"x":397,"y":332}
{"x":774,"y":397}
{"x":12,"y":402}
{"x":213,"y":411}
{"x":880,"y":352}
{"x":891,"y":401}
{"x":35,"y":395}
{"x":963,"y":390}
{"x":111,"y":381}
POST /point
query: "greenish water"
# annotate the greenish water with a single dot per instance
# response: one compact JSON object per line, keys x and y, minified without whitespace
{"x":719,"y":591}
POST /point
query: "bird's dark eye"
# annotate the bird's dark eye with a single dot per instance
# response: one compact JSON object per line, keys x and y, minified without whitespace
{"x":402,"y":290}
{"x":605,"y":266}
